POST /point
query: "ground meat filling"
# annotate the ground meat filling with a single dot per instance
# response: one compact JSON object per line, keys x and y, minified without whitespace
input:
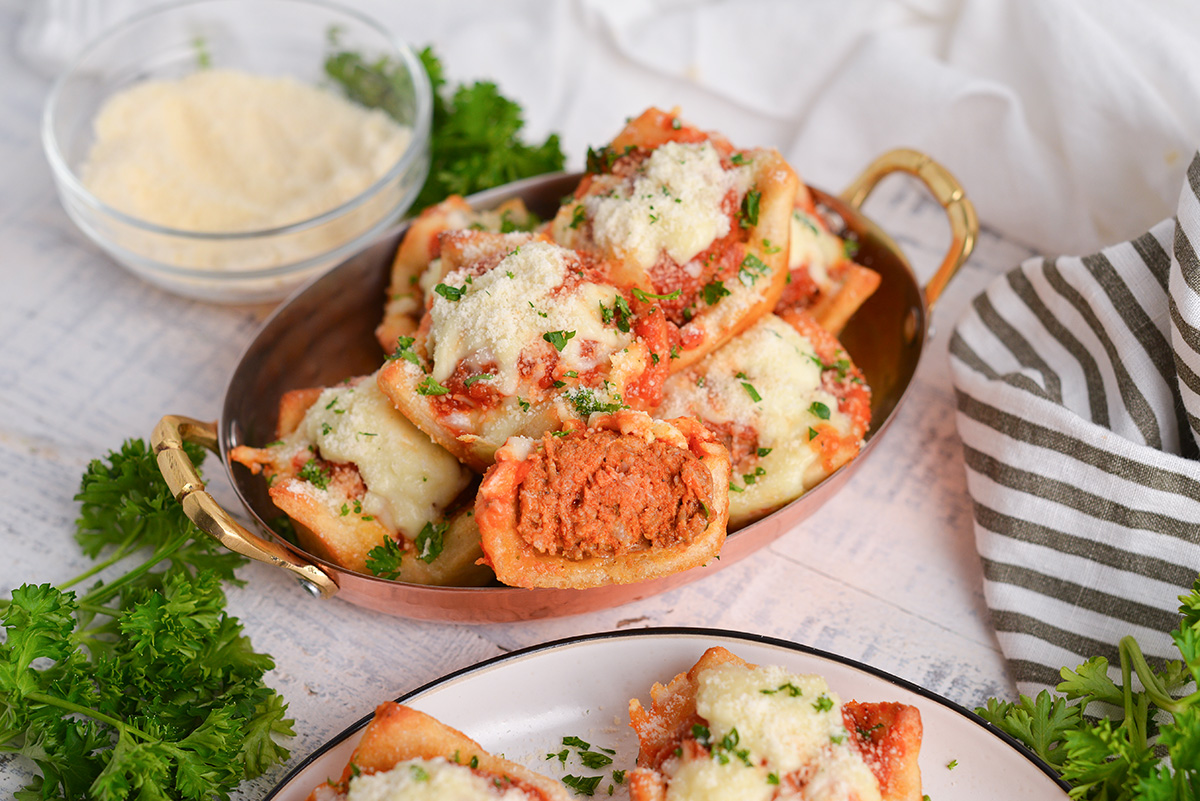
{"x":598,"y":493}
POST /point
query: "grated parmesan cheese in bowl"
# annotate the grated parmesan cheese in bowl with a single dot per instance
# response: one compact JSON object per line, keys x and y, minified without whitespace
{"x":240,"y":181}
{"x":226,"y":150}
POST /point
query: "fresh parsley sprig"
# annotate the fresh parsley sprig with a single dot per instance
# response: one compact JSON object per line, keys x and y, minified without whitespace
{"x":142,"y":686}
{"x":475,"y":141}
{"x":1116,"y":760}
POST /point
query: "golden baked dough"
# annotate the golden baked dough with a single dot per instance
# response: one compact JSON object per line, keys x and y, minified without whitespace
{"x":400,"y":737}
{"x":626,"y":499}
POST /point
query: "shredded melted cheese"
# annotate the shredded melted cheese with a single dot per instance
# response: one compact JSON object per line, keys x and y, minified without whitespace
{"x":358,"y":424}
{"x":766,"y":724}
{"x":429,"y":780}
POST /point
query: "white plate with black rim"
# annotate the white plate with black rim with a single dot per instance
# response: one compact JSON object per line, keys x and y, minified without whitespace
{"x":524,"y":704}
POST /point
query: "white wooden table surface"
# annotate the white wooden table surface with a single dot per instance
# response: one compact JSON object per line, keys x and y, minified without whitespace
{"x":886,"y":573}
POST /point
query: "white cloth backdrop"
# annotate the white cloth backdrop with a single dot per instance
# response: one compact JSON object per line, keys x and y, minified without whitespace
{"x":1070,"y":122}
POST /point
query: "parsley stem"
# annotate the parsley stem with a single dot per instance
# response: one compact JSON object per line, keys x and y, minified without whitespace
{"x":87,"y":711}
{"x":123,"y":550}
{"x":105,"y":591}
{"x":1132,"y":656}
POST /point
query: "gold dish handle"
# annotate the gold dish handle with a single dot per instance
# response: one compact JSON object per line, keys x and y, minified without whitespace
{"x":964,"y":224}
{"x":203,"y":510}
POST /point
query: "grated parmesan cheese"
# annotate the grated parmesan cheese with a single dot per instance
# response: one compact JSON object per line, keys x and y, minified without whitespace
{"x":674,"y":206}
{"x":508,"y":309}
{"x":225,"y":150}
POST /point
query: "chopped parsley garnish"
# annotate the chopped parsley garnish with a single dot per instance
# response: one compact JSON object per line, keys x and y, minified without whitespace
{"x":558,"y":338}
{"x":770,"y":248}
{"x":467,"y":382}
{"x":620,"y":313}
{"x":601,"y":160}
{"x":384,"y":560}
{"x":751,"y":269}
{"x":772,"y":778}
{"x":582,"y":785}
{"x":812,"y":433}
{"x":403,"y":351}
{"x":594,"y":759}
{"x":850,"y":248}
{"x":429,"y":542}
{"x":735,"y":488}
{"x":451,"y":293}
{"x":431,"y":387}
{"x":791,"y":689}
{"x":325,"y":429}
{"x":524,"y":404}
{"x":819,"y":410}
{"x":644,"y":296}
{"x":763,"y":452}
{"x":618,"y":776}
{"x":419,"y":773}
{"x":676,"y":124}
{"x":750,"y":390}
{"x":713,"y":291}
{"x":952,"y":764}
{"x":674,"y":351}
{"x":474,"y":762}
{"x":749,"y":211}
{"x":315,"y":473}
{"x":578,"y":216}
{"x":739,"y":159}
{"x":561,"y":756}
{"x":701,"y":734}
{"x":474,"y":139}
{"x":587,"y":403}
{"x":823,"y":703}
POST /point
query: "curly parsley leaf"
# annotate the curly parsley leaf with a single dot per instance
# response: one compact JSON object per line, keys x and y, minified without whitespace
{"x":475,"y":140}
{"x":384,"y":560}
{"x":1109,"y":759}
{"x":143,"y":686}
{"x":430,"y":541}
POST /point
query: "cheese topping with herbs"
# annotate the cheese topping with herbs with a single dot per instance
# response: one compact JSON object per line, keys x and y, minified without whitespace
{"x":764,"y":723}
{"x":675,"y":206}
{"x":517,"y":305}
{"x":429,"y":780}
{"x":358,"y":424}
{"x":812,"y":246}
{"x":767,"y":381}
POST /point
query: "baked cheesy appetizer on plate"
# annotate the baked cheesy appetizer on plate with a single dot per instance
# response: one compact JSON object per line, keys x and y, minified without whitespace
{"x":729,"y":729}
{"x":592,"y":400}
{"x":407,"y":755}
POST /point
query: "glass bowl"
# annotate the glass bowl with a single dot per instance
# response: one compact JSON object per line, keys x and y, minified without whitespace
{"x":270,"y":37}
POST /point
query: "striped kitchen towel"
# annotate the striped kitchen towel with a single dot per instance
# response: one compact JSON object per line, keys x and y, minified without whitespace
{"x":1078,"y":390}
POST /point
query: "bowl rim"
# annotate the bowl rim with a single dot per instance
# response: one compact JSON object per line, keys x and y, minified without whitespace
{"x":413,"y":152}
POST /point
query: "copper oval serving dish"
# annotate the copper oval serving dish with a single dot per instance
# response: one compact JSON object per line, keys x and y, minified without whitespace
{"x":325,"y":333}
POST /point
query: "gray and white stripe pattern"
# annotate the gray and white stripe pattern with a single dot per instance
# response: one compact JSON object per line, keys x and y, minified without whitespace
{"x":1078,"y":389}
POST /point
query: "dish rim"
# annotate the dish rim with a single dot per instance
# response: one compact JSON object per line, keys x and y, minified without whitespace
{"x":676,"y":631}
